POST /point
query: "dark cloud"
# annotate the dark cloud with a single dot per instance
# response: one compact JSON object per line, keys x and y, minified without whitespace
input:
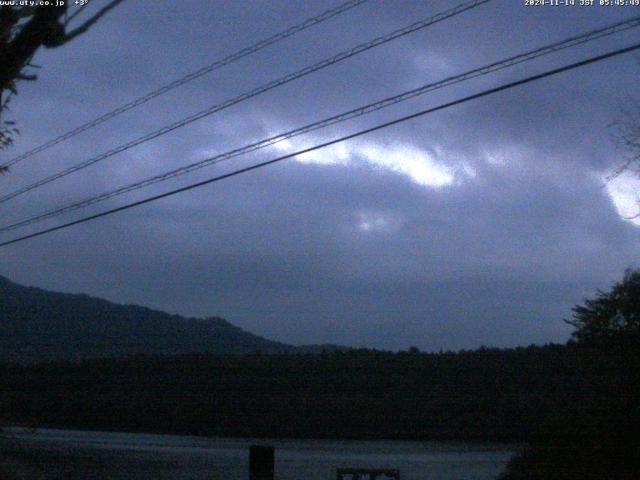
{"x":348,"y":251}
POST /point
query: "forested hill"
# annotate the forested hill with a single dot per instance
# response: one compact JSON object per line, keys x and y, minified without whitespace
{"x":37,"y":325}
{"x":484,"y":395}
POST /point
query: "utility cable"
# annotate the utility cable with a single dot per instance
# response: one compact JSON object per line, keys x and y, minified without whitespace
{"x":257,"y":166}
{"x":372,"y":107}
{"x":252,"y":93}
{"x":310,"y":22}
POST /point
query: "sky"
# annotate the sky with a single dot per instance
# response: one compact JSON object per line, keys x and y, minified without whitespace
{"x":481,"y":224}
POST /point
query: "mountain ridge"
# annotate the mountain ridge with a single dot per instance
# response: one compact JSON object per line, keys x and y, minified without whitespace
{"x":41,"y":325}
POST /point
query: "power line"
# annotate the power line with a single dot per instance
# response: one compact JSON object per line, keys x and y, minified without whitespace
{"x":484,"y":93}
{"x":493,"y":67}
{"x":253,"y":93}
{"x":310,"y":22}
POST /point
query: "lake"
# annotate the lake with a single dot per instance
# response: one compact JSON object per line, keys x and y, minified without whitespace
{"x":127,"y":456}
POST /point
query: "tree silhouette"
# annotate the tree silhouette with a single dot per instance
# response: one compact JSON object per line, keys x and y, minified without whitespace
{"x":25,"y":29}
{"x":612,"y":316}
{"x":595,"y":436}
{"x":626,"y":135}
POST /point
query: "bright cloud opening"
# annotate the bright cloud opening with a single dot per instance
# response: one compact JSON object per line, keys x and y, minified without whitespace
{"x":410,"y":161}
{"x":369,"y":222}
{"x":413,"y":162}
{"x":373,"y":221}
{"x":625,"y":194}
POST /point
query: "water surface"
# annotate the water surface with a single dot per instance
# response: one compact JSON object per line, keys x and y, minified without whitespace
{"x":127,"y":456}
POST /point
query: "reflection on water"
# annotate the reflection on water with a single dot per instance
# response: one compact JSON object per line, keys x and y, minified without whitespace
{"x":120,"y":456}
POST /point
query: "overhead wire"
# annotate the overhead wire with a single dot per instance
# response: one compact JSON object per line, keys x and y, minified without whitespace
{"x":350,"y":114}
{"x":484,"y":93}
{"x":309,"y":22}
{"x":452,"y":12}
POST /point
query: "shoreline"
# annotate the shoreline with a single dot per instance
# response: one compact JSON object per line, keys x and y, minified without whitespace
{"x":14,"y":429}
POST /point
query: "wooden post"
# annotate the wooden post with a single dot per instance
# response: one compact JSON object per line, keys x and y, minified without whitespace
{"x":67,"y":473}
{"x":261,"y":462}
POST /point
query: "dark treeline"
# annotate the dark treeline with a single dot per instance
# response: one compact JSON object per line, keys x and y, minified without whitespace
{"x":597,"y":436}
{"x":577,"y":406}
{"x":484,"y":395}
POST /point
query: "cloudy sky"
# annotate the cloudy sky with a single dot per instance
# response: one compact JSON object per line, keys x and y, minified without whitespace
{"x":480,"y":224}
